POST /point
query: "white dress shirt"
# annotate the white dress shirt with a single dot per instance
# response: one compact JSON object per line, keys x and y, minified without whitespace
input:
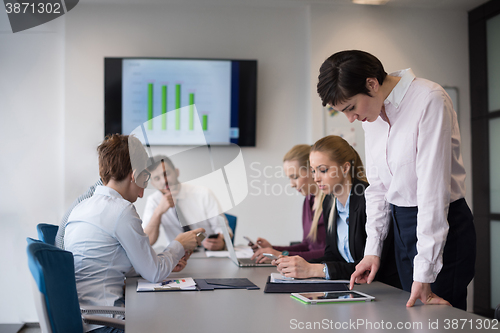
{"x":414,"y":161}
{"x":105,"y":235}
{"x":199,"y":209}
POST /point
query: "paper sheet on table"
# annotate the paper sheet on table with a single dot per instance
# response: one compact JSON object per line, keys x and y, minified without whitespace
{"x":278,"y":278}
{"x":217,"y":254}
{"x":169,"y":284}
{"x":241,"y":252}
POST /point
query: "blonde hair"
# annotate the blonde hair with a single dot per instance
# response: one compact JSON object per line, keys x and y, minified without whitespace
{"x":300,"y":153}
{"x":340,"y":151}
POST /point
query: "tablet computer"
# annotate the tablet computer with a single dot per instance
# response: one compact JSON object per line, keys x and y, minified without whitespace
{"x":332,"y":296}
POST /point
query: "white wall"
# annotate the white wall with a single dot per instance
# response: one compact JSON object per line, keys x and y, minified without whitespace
{"x":31,"y":141}
{"x":276,"y":37}
{"x":51,"y":106}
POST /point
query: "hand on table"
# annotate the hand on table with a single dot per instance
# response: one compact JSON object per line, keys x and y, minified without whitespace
{"x":423,"y":292}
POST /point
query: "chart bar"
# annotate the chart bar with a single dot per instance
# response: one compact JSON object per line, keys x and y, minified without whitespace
{"x":177,"y":106}
{"x":164,"y":107}
{"x":150,"y":106}
{"x":191,"y":111}
{"x":204,"y":123}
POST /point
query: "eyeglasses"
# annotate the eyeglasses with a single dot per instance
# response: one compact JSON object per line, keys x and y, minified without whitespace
{"x":143,"y":178}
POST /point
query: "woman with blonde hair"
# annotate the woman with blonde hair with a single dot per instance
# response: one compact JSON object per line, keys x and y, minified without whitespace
{"x":339,"y":173}
{"x":296,"y":167}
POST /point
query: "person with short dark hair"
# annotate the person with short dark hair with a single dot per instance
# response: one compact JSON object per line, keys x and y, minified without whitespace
{"x":105,"y":233}
{"x":416,"y":175}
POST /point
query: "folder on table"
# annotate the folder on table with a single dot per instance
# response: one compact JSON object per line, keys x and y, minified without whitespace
{"x":230,"y":283}
{"x":297,"y":287}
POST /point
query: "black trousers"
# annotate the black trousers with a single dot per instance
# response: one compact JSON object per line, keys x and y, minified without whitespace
{"x":459,"y":254}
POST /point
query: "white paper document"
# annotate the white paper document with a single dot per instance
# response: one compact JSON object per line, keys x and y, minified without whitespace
{"x":241,"y":252}
{"x":168,"y":284}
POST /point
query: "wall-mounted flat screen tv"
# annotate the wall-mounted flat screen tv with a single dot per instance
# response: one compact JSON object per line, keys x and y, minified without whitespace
{"x":175,"y":100}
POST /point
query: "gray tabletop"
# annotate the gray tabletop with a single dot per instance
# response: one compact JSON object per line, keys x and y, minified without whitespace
{"x":239,"y":310}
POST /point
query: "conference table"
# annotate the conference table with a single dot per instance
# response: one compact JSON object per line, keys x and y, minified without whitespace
{"x":241,"y":310}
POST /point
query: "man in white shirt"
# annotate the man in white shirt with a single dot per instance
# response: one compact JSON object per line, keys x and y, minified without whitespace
{"x":178,"y":207}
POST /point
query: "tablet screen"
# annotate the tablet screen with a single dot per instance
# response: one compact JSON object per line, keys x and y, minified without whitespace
{"x":332,"y":295}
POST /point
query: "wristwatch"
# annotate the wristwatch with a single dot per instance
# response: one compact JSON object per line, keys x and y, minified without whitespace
{"x":325,"y":271}
{"x":285,"y":253}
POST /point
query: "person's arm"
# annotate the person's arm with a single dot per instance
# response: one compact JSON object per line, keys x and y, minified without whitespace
{"x":327,"y":255}
{"x":302,"y":247}
{"x":377,"y":223}
{"x":297,"y":267}
{"x":59,"y":241}
{"x":135,"y":242}
{"x":215,"y":219}
{"x":307,"y":255}
{"x":152,"y":216}
{"x":151,"y":266}
{"x":434,"y":143}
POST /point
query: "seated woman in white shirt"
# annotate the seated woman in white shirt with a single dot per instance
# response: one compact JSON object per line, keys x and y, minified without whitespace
{"x":105,"y":233}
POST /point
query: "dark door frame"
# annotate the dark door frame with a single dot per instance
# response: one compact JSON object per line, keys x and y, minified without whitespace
{"x":480,"y":117}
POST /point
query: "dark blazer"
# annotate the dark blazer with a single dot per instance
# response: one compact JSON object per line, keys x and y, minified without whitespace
{"x":338,"y":268}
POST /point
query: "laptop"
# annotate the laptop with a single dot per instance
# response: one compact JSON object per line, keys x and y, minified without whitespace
{"x":241,"y":262}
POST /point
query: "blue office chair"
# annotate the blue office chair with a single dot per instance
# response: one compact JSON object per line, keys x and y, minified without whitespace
{"x":231,"y":220}
{"x":47,"y":233}
{"x":56,"y":298}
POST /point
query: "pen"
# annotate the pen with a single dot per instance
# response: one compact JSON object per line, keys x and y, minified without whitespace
{"x":166,"y":282}
{"x":164,"y":173}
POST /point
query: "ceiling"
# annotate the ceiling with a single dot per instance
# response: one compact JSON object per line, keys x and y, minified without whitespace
{"x":463,"y":5}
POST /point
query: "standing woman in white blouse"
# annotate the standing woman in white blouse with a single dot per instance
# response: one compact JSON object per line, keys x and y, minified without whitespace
{"x":415,"y":171}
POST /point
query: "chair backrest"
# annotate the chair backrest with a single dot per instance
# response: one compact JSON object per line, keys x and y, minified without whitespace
{"x":231,"y":220}
{"x":54,"y":274}
{"x":47,"y":233}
